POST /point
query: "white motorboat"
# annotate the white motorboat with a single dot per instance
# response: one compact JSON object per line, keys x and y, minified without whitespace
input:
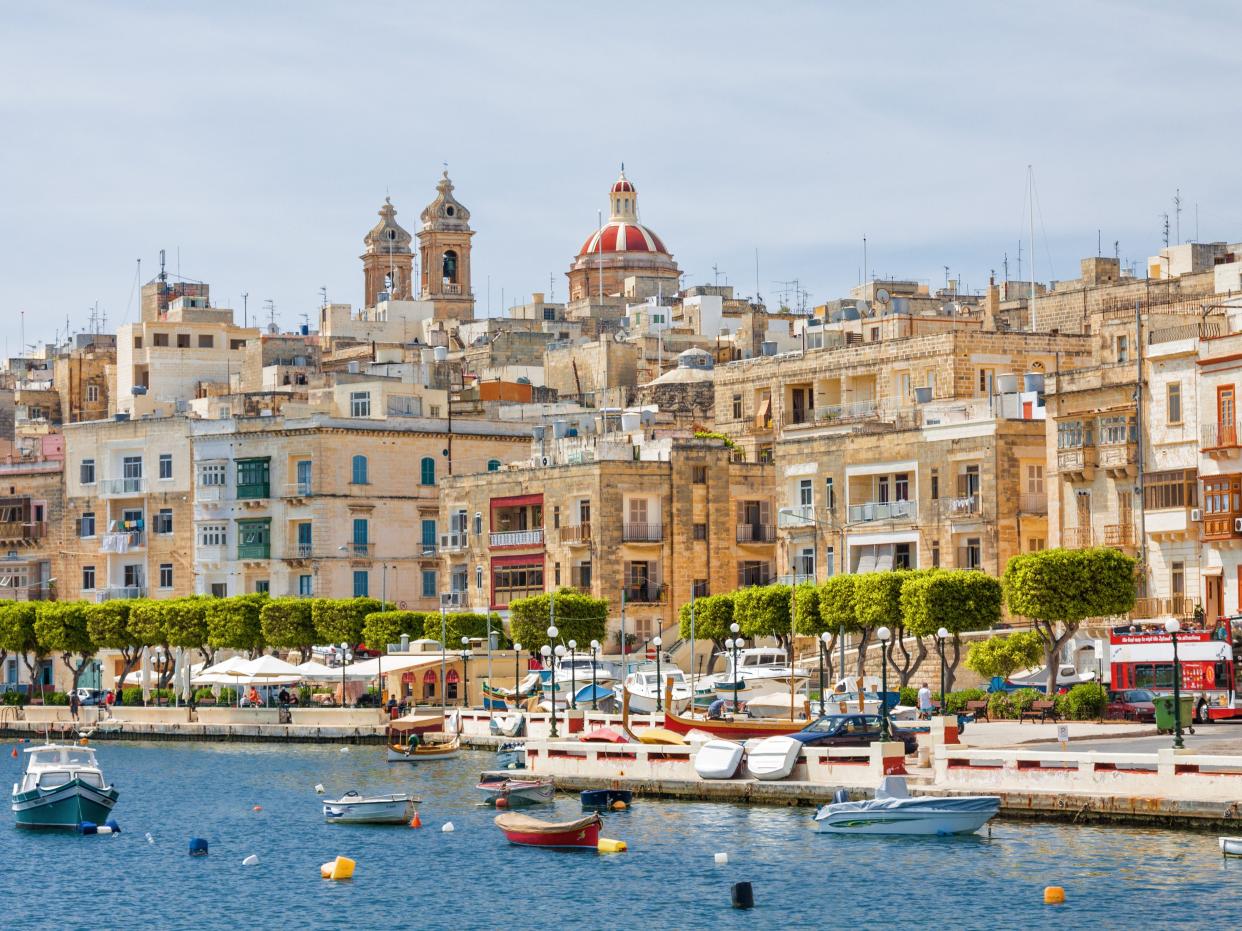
{"x":773,"y":758}
{"x":1231,"y":846}
{"x":505,"y":791}
{"x":573,"y":673}
{"x":895,"y":811}
{"x":718,"y":759}
{"x":352,"y":808}
{"x":644,"y":687}
{"x":760,"y":671}
{"x":62,"y":787}
{"x":847,"y":703}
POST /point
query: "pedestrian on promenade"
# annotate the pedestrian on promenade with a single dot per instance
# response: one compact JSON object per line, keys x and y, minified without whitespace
{"x":73,"y":704}
{"x":925,"y":701}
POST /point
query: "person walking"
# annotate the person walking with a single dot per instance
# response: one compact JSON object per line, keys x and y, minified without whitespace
{"x":925,"y":701}
{"x":73,"y":704}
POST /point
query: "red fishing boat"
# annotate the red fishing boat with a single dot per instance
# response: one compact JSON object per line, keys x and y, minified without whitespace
{"x":531,"y":832}
{"x":732,"y":730}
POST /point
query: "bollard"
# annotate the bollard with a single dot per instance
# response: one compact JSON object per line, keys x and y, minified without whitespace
{"x":743,"y":895}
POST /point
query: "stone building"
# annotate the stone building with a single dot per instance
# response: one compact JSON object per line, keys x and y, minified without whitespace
{"x":652,"y":523}
{"x":83,"y":375}
{"x":444,"y":254}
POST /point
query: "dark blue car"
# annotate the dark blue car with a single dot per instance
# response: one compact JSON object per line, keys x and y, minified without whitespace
{"x":851,"y":730}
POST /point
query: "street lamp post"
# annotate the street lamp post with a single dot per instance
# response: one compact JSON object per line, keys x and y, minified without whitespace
{"x":737,"y":642}
{"x":547,"y":652}
{"x":824,"y":640}
{"x":465,"y":672}
{"x":883,"y":634}
{"x":1172,"y":625}
{"x":594,"y":686}
{"x":344,"y":659}
{"x":573,"y":675}
{"x":517,"y":671}
{"x":658,"y":642}
{"x":941,"y":636}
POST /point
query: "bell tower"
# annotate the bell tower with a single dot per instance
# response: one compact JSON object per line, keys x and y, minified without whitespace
{"x":388,"y":261}
{"x":444,"y":254}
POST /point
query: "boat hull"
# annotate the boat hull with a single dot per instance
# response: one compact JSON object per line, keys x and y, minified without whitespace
{"x":66,"y":806}
{"x":1231,"y":846}
{"x":646,"y":704}
{"x":393,"y":811}
{"x":584,"y":838}
{"x":961,"y":816}
{"x":518,"y":794}
{"x":423,"y":753}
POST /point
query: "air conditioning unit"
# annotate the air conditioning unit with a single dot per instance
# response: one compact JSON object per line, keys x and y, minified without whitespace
{"x":1237,"y":525}
{"x":1196,"y":514}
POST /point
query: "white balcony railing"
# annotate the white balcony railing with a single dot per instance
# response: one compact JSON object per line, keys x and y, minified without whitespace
{"x":518,"y":538}
{"x":451,"y":542}
{"x":802,"y":517}
{"x":883,"y":510}
{"x":123,"y":486}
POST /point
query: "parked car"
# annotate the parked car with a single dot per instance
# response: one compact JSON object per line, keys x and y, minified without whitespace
{"x":1135,"y":704}
{"x":90,"y":696}
{"x":851,"y":730}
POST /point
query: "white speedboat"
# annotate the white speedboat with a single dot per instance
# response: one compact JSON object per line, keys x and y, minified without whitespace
{"x":62,"y":787}
{"x":352,"y":808}
{"x":848,"y":703}
{"x":573,"y":673}
{"x":504,"y":791}
{"x":895,"y":811}
{"x":759,"y":671}
{"x":646,"y":683}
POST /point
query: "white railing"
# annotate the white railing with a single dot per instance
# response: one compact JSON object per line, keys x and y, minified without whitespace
{"x":518,"y":538}
{"x":123,"y":486}
{"x":883,"y":510}
{"x":802,"y":516}
{"x":450,"y":542}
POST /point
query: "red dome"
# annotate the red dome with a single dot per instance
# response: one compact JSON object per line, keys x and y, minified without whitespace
{"x":619,"y":236}
{"x":623,"y":186}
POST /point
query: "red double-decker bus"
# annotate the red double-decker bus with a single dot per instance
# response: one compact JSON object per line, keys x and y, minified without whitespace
{"x":1141,"y":657}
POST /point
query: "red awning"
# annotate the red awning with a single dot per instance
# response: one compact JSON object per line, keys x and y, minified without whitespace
{"x":516,"y":501}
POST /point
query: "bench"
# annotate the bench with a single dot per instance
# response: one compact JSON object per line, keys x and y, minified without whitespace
{"x":978,"y":710}
{"x":1041,"y":711}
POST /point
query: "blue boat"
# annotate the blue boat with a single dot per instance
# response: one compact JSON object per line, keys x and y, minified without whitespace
{"x":62,"y":788}
{"x":604,"y":798}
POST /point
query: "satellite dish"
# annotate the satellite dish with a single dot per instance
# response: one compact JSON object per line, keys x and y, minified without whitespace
{"x":881,"y":295}
{"x":619,"y":336}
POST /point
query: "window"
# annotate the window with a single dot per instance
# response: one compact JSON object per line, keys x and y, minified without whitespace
{"x":1122,"y":343}
{"x":516,"y":580}
{"x":237,"y":344}
{"x":1177,"y":578}
{"x":1035,"y":544}
{"x":211,"y":475}
{"x":737,"y":407}
{"x":254,"y":538}
{"x":829,"y":562}
{"x":359,"y":473}
{"x":935,"y":484}
{"x":253,"y":478}
{"x":88,"y":578}
{"x":478,"y":523}
{"x":131,"y":471}
{"x":1117,"y":430}
{"x":478,"y":577}
{"x":206,"y":341}
{"x":556,"y":574}
{"x":830,"y":494}
{"x":303,"y":468}
{"x":971,"y":556}
{"x":132,"y":575}
{"x":212,"y":535}
{"x":580,"y":575}
{"x":360,"y":404}
{"x":556,"y":517}
{"x":166,"y":576}
{"x":219,"y":589}
{"x":699,"y":589}
{"x":700,"y":531}
{"x":753,"y":572}
{"x":882,"y":489}
{"x":92,"y":394}
{"x":362,"y":583}
{"x":493,"y":465}
{"x":262,"y":586}
{"x":429,"y":539}
{"x":435,"y":410}
{"x":1177,"y":488}
{"x":183,"y":340}
{"x":901,"y":486}
{"x":306,"y":585}
{"x":360,"y":541}
{"x":165,"y":465}
{"x":698,"y":474}
{"x":427,"y":469}
{"x":806,"y":493}
{"x":86,"y":472}
{"x":159,"y":339}
{"x":137,"y":342}
{"x":935,"y":554}
{"x":1173,"y":402}
{"x":986,"y":378}
{"x":86,"y":524}
{"x":430,"y":584}
{"x":164,"y":521}
{"x":901,"y":556}
{"x":1034,"y":479}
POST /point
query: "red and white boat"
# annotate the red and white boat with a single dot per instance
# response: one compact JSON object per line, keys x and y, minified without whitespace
{"x":526,"y":831}
{"x":498,"y":786}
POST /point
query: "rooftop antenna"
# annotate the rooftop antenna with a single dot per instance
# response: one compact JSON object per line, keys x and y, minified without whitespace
{"x":305,"y":321}
{"x":270,"y":306}
{"x":1005,"y":265}
{"x":1177,"y":211}
{"x":551,"y":287}
{"x":245,"y":305}
{"x":1019,"y":260}
{"x":1117,"y":251}
{"x":758,"y":296}
{"x":163,"y":277}
{"x":1030,"y":174}
{"x":1099,"y":241}
{"x":323,"y":297}
{"x":864,"y":269}
{"x":946,"y":275}
{"x":1165,"y":228}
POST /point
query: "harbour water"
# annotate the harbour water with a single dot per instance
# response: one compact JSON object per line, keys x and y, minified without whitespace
{"x":471,"y":878}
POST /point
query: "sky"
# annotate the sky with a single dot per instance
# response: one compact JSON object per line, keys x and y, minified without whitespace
{"x":254,"y":142}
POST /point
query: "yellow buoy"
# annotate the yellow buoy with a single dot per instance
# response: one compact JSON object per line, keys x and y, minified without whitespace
{"x":611,"y":846}
{"x":1054,"y":895}
{"x":619,"y":805}
{"x":340,"y":868}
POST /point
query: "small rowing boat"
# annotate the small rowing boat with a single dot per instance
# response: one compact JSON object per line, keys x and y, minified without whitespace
{"x":581,"y":834}
{"x":421,"y":749}
{"x":352,"y":808}
{"x":503,"y":791}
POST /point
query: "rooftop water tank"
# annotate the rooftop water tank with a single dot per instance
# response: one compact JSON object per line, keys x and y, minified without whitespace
{"x":441,"y":353}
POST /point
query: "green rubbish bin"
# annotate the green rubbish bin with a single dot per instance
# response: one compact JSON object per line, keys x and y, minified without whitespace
{"x":1165,"y":722}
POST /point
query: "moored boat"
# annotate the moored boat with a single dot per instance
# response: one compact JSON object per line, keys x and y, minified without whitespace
{"x":423,"y":749}
{"x":534,"y":790}
{"x":352,"y":808}
{"x":641,"y":689}
{"x":773,"y":758}
{"x":737,"y":729}
{"x":1231,"y":846}
{"x":605,"y":798}
{"x":718,"y":759}
{"x":62,"y":787}
{"x":580,"y":834}
{"x":894,"y":811}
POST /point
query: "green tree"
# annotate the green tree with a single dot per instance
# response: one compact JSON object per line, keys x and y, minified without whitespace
{"x":235,"y":623}
{"x":108,"y":625}
{"x":957,"y":600}
{"x":475,"y":626}
{"x":1004,"y":655}
{"x":838,"y":613}
{"x":877,"y":603}
{"x":809,"y":622}
{"x":1059,"y":589}
{"x":578,"y":617}
{"x":712,"y":616}
{"x":61,"y":628}
{"x":185,"y":625}
{"x":381,"y":628}
{"x":340,"y":620}
{"x":288,"y":623}
{"x":763,"y":611}
{"x":17,"y":634}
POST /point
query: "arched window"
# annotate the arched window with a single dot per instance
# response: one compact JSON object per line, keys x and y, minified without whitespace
{"x":450,"y":685}
{"x":428,"y":476}
{"x":493,"y":465}
{"x":450,"y":267}
{"x":429,"y":684}
{"x":359,"y":470}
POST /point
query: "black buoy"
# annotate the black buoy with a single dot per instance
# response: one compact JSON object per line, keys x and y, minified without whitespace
{"x":743,"y":895}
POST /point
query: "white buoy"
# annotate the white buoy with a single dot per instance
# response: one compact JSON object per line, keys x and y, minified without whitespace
{"x":721,"y":859}
{"x":150,"y":839}
{"x":448,"y":827}
{"x":252,"y":860}
{"x":319,"y":788}
{"x":344,"y":749}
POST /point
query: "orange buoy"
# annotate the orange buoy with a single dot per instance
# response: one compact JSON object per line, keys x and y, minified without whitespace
{"x":1054,"y":895}
{"x":619,"y":805}
{"x":416,"y":821}
{"x":502,"y":802}
{"x":15,"y":753}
